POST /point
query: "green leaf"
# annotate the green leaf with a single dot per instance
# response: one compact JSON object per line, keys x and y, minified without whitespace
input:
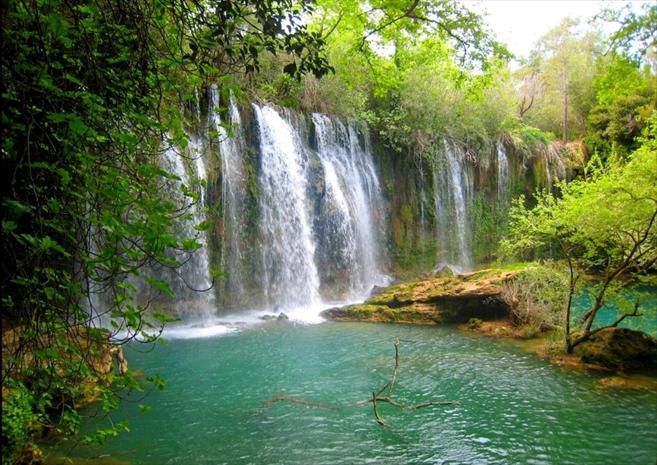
{"x":160,"y":285}
{"x":217,"y":273}
{"x":8,"y":226}
{"x":145,"y":408}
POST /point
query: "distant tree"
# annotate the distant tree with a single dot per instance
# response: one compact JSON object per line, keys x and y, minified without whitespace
{"x":626,"y":96}
{"x":636,"y":35}
{"x":626,"y":85}
{"x":532,"y":88}
{"x":564,"y":64}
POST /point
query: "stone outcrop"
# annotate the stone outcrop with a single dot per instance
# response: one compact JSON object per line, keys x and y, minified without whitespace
{"x":447,"y":299}
{"x":620,"y":349}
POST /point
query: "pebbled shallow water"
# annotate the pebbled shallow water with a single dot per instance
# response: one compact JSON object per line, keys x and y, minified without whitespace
{"x":513,"y":408}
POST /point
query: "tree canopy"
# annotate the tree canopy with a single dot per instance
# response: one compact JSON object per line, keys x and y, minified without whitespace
{"x":92,"y":95}
{"x":605,"y":225}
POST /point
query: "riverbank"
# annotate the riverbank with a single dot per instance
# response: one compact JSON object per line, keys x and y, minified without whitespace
{"x":548,"y":345}
{"x":475,"y":302}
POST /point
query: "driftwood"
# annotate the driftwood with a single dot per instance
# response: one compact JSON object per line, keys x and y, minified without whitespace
{"x":384,"y":394}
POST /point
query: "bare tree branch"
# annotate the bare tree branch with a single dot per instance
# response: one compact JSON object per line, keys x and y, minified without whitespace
{"x":375,"y":399}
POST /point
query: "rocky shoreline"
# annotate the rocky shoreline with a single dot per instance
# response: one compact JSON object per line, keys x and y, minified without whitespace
{"x":473,"y":301}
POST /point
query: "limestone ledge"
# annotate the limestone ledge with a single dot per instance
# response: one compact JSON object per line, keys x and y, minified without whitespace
{"x":439,"y":300}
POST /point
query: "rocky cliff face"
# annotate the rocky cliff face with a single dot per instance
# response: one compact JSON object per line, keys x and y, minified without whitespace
{"x":300,"y":201}
{"x":450,"y":206}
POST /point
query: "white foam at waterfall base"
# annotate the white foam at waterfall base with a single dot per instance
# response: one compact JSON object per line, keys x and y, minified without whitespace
{"x":244,"y":320}
{"x":308,"y":314}
{"x":236,"y":322}
{"x":197,"y":332}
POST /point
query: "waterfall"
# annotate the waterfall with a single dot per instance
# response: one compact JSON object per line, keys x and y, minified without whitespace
{"x":460,"y":191}
{"x":194,"y":273}
{"x":554,"y":166}
{"x":196,"y":152}
{"x":345,"y":226}
{"x":502,"y":171}
{"x":232,"y":147}
{"x":419,"y":165}
{"x":96,"y":298}
{"x":297,"y":215}
{"x":289,"y":274}
{"x":452,"y":191}
{"x":313,"y":229}
{"x":548,"y":172}
{"x":193,"y":297}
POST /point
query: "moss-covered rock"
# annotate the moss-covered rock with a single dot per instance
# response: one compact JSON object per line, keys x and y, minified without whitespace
{"x":620,"y":349}
{"x":450,"y":299}
{"x":413,"y":313}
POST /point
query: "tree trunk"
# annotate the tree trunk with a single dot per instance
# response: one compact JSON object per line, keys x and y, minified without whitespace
{"x":571,"y":292}
{"x":564,"y":88}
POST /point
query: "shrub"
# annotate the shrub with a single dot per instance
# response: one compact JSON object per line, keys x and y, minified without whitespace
{"x":537,"y":297}
{"x":18,"y":422}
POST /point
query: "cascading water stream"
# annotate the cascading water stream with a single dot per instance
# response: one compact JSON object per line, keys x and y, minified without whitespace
{"x":234,"y":200}
{"x":548,"y":173}
{"x":194,"y":273}
{"x":452,"y":191}
{"x":345,"y":227}
{"x":502,"y":171}
{"x":459,"y":191}
{"x":369,"y":203}
{"x":419,"y":165}
{"x":289,"y":275}
{"x":193,"y":298}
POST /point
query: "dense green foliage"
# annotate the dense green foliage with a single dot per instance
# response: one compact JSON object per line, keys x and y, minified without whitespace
{"x":91,"y":98}
{"x":536,"y":296}
{"x":582,"y":85}
{"x":605,"y":225}
{"x":625,"y":99}
{"x":416,"y":71}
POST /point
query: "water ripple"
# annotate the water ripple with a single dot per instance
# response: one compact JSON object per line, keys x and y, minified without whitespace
{"x":512,"y":407}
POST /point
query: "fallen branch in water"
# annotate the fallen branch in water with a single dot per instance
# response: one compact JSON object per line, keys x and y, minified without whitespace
{"x":377,"y":396}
